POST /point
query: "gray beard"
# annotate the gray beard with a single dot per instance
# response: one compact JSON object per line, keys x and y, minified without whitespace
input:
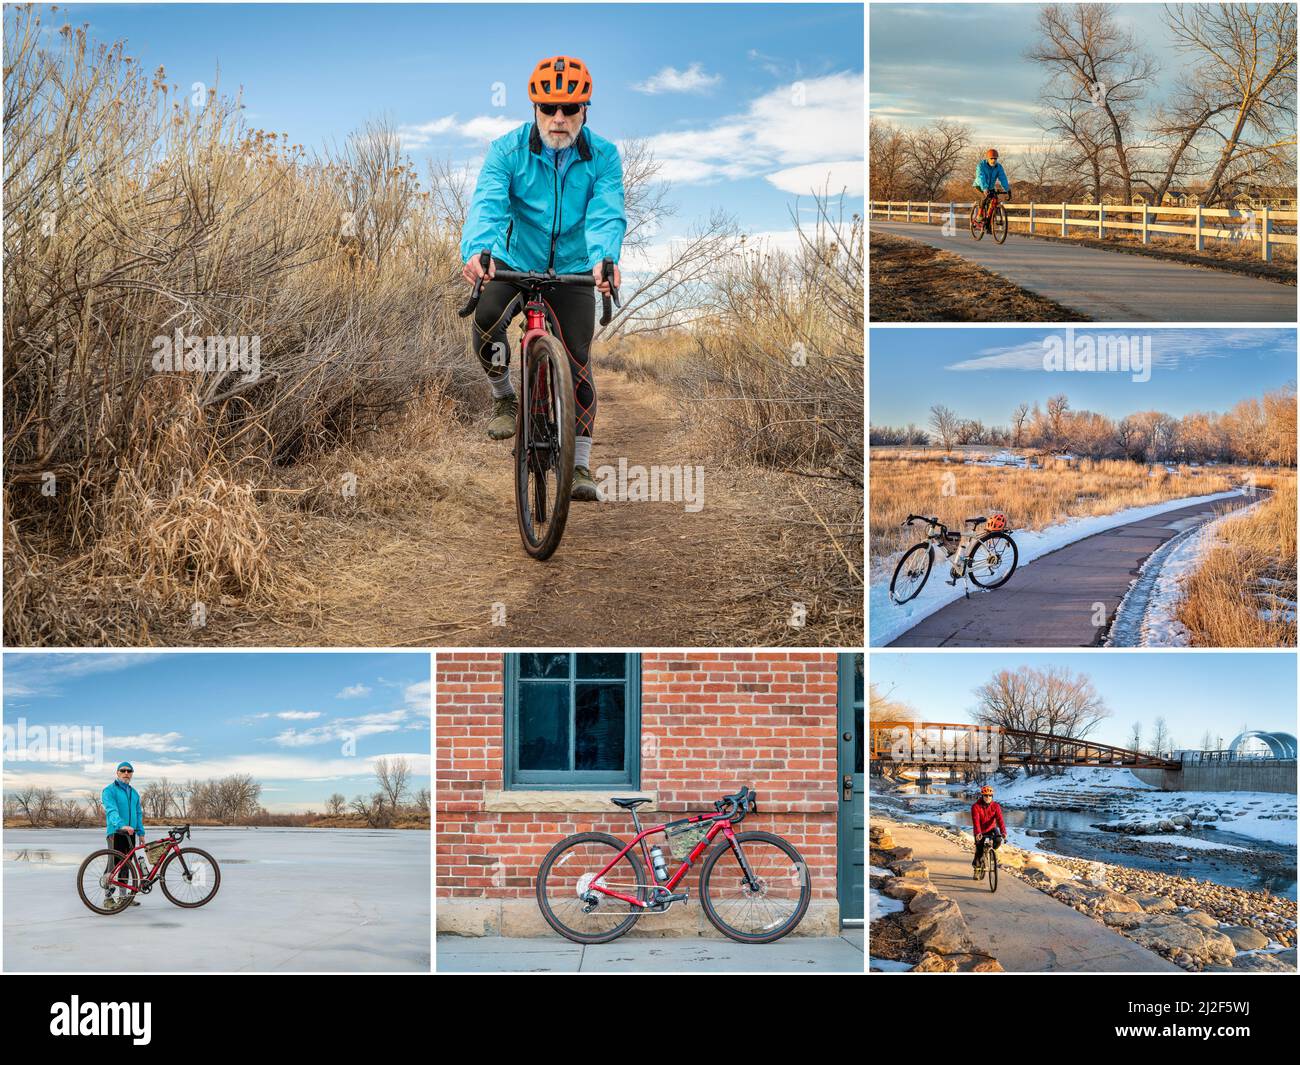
{"x":556,"y":141}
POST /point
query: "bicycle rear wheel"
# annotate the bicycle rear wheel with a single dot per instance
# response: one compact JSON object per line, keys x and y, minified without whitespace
{"x":992,"y":560}
{"x":759,"y":912}
{"x":565,"y":895}
{"x":93,"y":882}
{"x":194,"y":881}
{"x":976,"y":224}
{"x":544,"y":440}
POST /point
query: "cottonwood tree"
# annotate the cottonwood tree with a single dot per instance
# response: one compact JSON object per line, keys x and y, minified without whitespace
{"x":1055,"y":701}
{"x":1096,"y":67}
{"x":932,"y":156}
{"x":887,"y":150}
{"x":393,"y":777}
{"x":335,"y":804}
{"x":945,"y":424}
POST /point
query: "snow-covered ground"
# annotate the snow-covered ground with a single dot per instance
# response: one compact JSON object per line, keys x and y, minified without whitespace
{"x":890,"y":620}
{"x":1146,"y":615}
{"x":1190,"y":843}
{"x":1079,"y":778}
{"x":890,"y":966}
{"x":291,"y":900}
{"x":883,"y":904}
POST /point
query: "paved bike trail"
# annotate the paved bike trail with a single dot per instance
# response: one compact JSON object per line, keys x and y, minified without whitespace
{"x":1025,"y":929}
{"x":1056,"y":600}
{"x":1114,"y":286}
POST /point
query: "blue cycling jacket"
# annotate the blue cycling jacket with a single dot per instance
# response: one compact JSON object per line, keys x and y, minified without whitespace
{"x":122,"y":807}
{"x":534,"y":214}
{"x":986,"y":175}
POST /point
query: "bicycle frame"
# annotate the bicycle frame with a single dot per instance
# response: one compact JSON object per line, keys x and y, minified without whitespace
{"x":131,"y":856}
{"x":721,"y":825}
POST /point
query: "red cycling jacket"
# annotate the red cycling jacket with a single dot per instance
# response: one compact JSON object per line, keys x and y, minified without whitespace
{"x":984,"y":818}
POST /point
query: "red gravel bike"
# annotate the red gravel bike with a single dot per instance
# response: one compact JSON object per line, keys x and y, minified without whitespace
{"x":754,"y":886}
{"x":109,"y":881}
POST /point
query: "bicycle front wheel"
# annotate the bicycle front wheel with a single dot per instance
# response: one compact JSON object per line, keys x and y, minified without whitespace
{"x":911,"y":573}
{"x":757,"y":898}
{"x":544,"y":441}
{"x":190,"y":877}
{"x":567,"y":883}
{"x":100,"y":890}
{"x":993,"y":869}
{"x":992,"y":560}
{"x":998,"y":225}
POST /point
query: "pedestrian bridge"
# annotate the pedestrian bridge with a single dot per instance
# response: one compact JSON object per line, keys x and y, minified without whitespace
{"x":934,"y":743}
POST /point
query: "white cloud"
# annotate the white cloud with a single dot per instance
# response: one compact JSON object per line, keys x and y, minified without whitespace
{"x":298,"y":715}
{"x":670,"y":79}
{"x":153,"y":742}
{"x":478,"y":128}
{"x":417,"y":696}
{"x":846,"y":175}
{"x":353,"y":691}
{"x":1169,"y":347}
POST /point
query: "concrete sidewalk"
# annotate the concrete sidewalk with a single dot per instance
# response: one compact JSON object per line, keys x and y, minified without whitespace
{"x":794,"y":954}
{"x":1113,"y":286}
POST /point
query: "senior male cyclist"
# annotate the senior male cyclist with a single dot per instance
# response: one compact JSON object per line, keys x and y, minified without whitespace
{"x":549,"y":196}
{"x":988,"y":825}
{"x":123,"y":821}
{"x":987,"y":174}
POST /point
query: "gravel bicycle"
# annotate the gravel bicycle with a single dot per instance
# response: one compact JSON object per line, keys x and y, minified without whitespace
{"x":987,"y":869}
{"x":544,"y":433}
{"x":995,"y":221}
{"x":109,"y":881}
{"x":988,"y":559}
{"x":754,"y":886}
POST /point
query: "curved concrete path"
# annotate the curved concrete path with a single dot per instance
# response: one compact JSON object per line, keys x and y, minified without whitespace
{"x":1053,"y":601}
{"x":1026,"y":930}
{"x":1113,"y":286}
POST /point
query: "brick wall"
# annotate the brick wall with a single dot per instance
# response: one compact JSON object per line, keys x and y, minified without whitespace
{"x":710,"y":722}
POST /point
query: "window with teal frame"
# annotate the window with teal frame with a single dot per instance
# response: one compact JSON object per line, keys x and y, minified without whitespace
{"x":573,"y":720}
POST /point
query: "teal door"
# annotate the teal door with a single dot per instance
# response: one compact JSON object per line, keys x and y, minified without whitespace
{"x":852,"y":880}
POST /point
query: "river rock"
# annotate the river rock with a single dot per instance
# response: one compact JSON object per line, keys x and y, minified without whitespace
{"x":1244,"y":938}
{"x":1164,"y":933}
{"x":941,"y":929}
{"x":912,"y":869}
{"x":1152,"y":903}
{"x":934,"y":963}
{"x":1260,"y":963}
{"x":1200,"y":917}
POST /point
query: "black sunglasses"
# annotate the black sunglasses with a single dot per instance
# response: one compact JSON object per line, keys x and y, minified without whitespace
{"x":568,"y":109}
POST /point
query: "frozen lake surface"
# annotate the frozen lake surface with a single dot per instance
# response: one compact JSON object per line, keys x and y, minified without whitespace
{"x":291,"y":900}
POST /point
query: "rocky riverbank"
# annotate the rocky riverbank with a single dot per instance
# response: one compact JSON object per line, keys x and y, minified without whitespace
{"x":1198,"y":925}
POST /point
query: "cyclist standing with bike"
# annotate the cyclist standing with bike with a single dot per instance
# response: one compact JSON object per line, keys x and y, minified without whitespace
{"x":987,"y":822}
{"x":549,"y":197}
{"x":987,"y":174}
{"x":123,"y":817}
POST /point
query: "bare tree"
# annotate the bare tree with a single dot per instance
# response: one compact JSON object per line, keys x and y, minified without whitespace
{"x":1018,"y":419}
{"x":1095,"y":64}
{"x":335,"y":805}
{"x":932,"y":156}
{"x":393,"y":777}
{"x":1161,"y":742}
{"x":887,"y":146}
{"x":945,"y":424}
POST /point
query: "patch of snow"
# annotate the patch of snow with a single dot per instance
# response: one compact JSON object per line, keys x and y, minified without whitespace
{"x":877,"y":871}
{"x":882,"y":905}
{"x":1193,"y":843}
{"x":890,"y":620}
{"x":890,"y":966}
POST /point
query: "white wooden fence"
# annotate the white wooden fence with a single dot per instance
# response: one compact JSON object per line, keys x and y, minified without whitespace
{"x":1237,"y":225}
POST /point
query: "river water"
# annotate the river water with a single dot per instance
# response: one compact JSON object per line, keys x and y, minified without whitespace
{"x":1274,"y":871}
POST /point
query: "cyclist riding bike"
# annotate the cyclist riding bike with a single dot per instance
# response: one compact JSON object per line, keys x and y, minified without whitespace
{"x":549,"y":196}
{"x":989,"y":827}
{"x":987,"y":174}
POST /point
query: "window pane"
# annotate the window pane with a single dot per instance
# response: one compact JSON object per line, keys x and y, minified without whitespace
{"x":600,"y":731}
{"x":539,"y":666}
{"x":543,"y":726}
{"x":601,"y":666}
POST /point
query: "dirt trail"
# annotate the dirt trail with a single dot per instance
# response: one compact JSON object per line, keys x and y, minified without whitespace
{"x":1026,"y":930}
{"x":626,"y":573}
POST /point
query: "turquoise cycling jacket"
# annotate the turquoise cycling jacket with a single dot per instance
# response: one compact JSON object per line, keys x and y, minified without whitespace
{"x":122,"y":807}
{"x":533,"y":215}
{"x":986,"y":176}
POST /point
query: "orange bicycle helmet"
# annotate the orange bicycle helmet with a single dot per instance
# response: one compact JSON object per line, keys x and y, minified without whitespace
{"x":986,"y":790}
{"x":560,"y":79}
{"x":997,"y":523}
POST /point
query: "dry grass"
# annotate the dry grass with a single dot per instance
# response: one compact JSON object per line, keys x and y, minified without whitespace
{"x":1243,"y":593}
{"x":914,"y":282}
{"x":928,"y":482}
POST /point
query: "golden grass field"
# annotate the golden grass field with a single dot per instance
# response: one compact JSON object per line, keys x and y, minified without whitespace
{"x":915,"y":481}
{"x":1243,"y":593}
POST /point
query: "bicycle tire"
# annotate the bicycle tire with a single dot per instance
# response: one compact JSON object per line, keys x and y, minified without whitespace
{"x":998,"y":224}
{"x":993,"y":868}
{"x":129,"y":874}
{"x":530,"y":494}
{"x":976,"y":226}
{"x":987,"y":538}
{"x":893,"y":582}
{"x":162,"y":878}
{"x":554,"y":920}
{"x":706,"y":897}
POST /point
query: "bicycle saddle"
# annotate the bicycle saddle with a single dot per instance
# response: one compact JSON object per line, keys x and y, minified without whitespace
{"x":628,"y":804}
{"x":976,"y":521}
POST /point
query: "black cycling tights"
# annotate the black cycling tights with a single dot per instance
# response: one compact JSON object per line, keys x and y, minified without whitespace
{"x":573,"y":316}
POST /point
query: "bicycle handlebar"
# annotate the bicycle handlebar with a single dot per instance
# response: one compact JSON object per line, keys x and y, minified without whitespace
{"x":737,"y":807}
{"x":921,"y":517}
{"x":550,"y":277}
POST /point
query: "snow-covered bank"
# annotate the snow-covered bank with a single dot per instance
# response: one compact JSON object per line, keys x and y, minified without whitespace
{"x":1147,"y":614}
{"x":890,"y":620}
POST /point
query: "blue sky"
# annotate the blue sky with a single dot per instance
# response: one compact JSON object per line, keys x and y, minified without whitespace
{"x":985,"y":373}
{"x":965,"y":63}
{"x":708,"y":85}
{"x":1224,"y":693}
{"x":283,"y":718}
